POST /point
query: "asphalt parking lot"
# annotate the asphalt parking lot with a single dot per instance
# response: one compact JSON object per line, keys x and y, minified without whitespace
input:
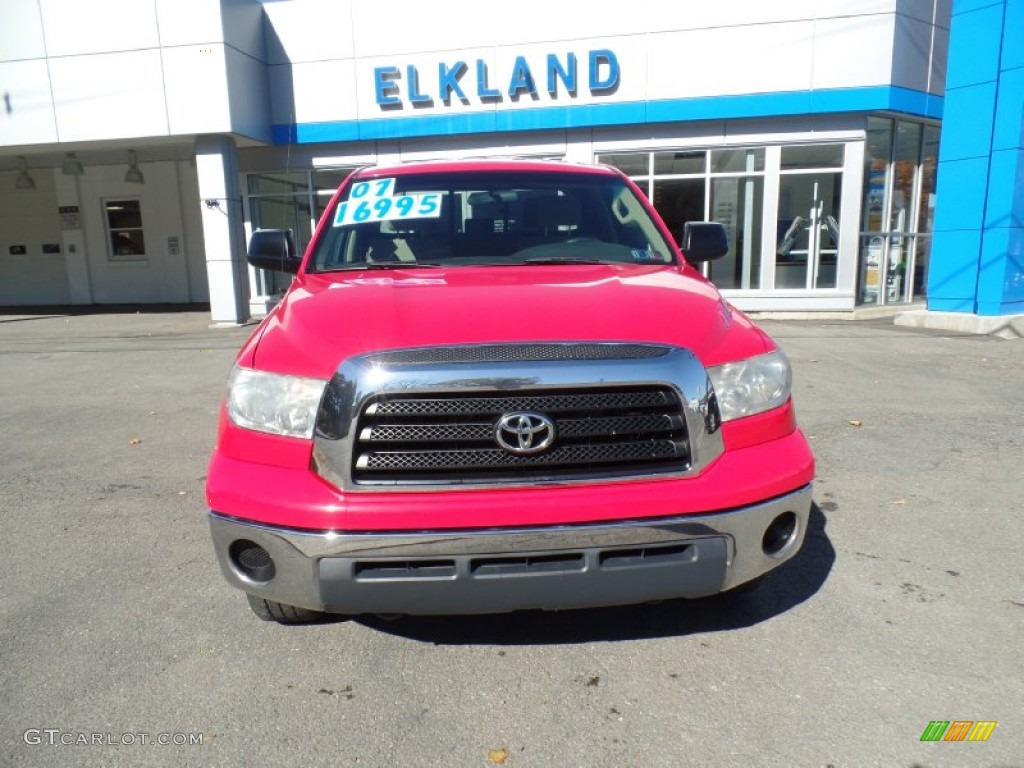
{"x":116,"y":628}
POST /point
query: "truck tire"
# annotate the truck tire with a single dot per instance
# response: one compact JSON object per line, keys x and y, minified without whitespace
{"x":269,"y":610}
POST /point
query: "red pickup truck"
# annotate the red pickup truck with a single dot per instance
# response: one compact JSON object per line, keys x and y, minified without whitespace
{"x":501,"y":385}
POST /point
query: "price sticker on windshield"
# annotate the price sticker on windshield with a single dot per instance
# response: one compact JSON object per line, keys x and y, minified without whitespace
{"x":376,"y":201}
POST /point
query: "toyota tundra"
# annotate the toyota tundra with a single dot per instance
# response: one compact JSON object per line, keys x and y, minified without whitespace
{"x":501,"y":385}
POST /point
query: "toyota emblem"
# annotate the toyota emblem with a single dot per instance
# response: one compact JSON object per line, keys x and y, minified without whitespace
{"x":524,"y":432}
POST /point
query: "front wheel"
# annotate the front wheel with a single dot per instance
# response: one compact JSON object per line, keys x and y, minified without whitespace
{"x":270,"y":610}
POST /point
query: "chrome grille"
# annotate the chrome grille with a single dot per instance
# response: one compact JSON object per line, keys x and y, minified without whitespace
{"x":450,"y":432}
{"x":464,"y":406}
{"x":451,"y":438}
{"x":494,"y":415}
{"x":489,"y":458}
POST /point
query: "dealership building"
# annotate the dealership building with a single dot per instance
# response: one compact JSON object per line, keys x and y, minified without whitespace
{"x":140,"y":143}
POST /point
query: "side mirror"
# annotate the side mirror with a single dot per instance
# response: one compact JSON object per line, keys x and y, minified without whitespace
{"x":274,"y":249}
{"x":704,"y":241}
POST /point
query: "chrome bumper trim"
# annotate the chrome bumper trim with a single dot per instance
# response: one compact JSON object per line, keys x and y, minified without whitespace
{"x":297,"y":554}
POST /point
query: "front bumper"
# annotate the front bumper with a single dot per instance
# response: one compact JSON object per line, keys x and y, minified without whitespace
{"x":498,"y":570}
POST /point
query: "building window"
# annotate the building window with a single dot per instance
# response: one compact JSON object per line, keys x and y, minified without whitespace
{"x":124,"y":230}
{"x":737,"y":201}
{"x":724,"y":185}
{"x":632,"y":164}
{"x":918,"y":273}
{"x":294,"y":200}
{"x":280,"y":201}
{"x":899,"y":200}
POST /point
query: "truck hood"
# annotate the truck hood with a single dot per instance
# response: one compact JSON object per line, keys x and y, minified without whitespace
{"x":326,"y":318}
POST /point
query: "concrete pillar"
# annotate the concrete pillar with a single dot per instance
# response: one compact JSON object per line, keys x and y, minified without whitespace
{"x":76,"y":259}
{"x":220,"y":198}
{"x":977,"y":260}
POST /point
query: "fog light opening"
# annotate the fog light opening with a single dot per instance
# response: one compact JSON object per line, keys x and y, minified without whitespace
{"x":251,"y":561}
{"x":780,"y":534}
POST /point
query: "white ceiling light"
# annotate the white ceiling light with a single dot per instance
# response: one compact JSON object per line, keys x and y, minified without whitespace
{"x":72,"y":166}
{"x":133,"y":175}
{"x":24,"y":180}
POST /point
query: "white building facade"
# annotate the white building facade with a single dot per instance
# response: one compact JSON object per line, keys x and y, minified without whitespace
{"x":141,"y":142}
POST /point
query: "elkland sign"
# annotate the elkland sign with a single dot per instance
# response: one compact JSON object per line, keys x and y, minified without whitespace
{"x":395,"y":87}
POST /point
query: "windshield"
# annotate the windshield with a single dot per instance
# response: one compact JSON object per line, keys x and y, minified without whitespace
{"x":509,"y":218}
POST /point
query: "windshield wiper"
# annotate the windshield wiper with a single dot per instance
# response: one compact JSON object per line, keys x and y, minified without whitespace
{"x":567,"y":260}
{"x":384,"y":265}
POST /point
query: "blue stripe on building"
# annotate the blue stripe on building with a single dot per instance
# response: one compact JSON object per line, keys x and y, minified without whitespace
{"x":879,"y":98}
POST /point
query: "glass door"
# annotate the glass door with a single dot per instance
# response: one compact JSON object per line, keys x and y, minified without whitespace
{"x":807,"y":244}
{"x":808,"y":231}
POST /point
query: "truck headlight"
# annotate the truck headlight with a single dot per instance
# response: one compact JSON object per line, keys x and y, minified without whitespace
{"x":751,"y":386}
{"x":271,"y":402}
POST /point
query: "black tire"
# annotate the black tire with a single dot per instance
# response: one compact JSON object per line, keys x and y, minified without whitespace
{"x":269,"y":610}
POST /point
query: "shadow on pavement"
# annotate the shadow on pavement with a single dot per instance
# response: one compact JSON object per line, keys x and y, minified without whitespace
{"x":18,"y":314}
{"x":783,"y":589}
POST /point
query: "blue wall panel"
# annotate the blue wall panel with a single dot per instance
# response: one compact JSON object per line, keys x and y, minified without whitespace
{"x":966,"y":6}
{"x":974,"y":45}
{"x":1008,"y":131}
{"x":1001,"y":276}
{"x":1005,"y":197}
{"x":1013,"y":53}
{"x":967,"y":132}
{"x":977,"y":262}
{"x":953,"y":270}
{"x":961,"y":194}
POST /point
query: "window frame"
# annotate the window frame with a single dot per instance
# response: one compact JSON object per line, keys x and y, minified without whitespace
{"x":112,"y":255}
